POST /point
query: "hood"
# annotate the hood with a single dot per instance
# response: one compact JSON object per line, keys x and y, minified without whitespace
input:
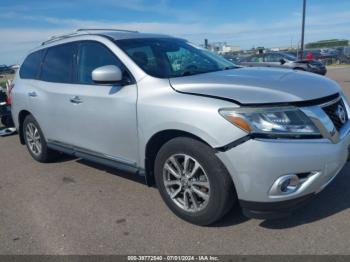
{"x":254,"y":85}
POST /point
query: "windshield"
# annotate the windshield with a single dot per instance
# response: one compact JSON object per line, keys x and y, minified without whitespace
{"x":171,"y":57}
{"x":290,"y":57}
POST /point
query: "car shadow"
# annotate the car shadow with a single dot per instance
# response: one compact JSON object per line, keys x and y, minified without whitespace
{"x":113,"y":171}
{"x":232,"y":218}
{"x":62,"y":158}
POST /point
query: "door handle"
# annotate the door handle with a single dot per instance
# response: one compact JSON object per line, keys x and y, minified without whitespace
{"x":32,"y":94}
{"x":76,"y":100}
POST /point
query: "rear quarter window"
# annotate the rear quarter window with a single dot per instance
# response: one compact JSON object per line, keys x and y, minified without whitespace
{"x":31,"y":65}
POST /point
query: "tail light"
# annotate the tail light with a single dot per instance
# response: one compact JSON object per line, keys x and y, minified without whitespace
{"x":9,"y":97}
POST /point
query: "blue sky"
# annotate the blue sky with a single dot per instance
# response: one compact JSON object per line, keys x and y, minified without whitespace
{"x":269,"y":23}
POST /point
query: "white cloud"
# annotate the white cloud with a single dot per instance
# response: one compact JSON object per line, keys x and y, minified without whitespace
{"x":319,"y":25}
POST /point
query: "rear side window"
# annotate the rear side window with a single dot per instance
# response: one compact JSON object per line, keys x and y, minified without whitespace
{"x":273,"y":58}
{"x":255,"y":59}
{"x":59,"y":63}
{"x":31,"y":65}
{"x":91,"y":56}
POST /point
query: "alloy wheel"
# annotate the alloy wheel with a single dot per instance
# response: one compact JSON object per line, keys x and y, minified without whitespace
{"x":186,"y":182}
{"x":33,"y":139}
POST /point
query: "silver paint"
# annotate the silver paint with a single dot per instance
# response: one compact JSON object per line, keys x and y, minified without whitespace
{"x":119,"y":121}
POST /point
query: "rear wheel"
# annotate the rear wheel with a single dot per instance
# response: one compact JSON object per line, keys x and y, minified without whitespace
{"x":35,"y":141}
{"x":193,"y":182}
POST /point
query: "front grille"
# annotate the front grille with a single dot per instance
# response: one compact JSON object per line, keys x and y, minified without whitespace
{"x":334,"y":113}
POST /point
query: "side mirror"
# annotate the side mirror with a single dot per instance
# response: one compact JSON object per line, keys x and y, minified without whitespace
{"x":282,"y":61}
{"x":107,"y":74}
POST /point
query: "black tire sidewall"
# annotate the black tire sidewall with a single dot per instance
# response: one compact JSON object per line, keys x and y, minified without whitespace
{"x":222,"y":193}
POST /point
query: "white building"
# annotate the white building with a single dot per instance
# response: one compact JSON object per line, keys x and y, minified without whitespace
{"x":229,"y":49}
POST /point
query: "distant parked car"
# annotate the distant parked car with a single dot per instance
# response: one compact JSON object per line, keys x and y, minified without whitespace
{"x":14,"y":67}
{"x":6,"y":70}
{"x":284,"y":60}
{"x":329,"y":53}
{"x":233,"y":58}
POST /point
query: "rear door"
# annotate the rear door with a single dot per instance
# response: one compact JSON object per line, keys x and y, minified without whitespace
{"x":48,"y":95}
{"x":26,"y":84}
{"x":103,"y":116}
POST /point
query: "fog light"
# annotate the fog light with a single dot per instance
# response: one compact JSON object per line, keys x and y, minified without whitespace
{"x":289,"y":184}
{"x":285,"y":185}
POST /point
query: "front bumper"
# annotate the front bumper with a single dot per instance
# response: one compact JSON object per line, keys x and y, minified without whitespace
{"x":273,"y":210}
{"x":257,"y":163}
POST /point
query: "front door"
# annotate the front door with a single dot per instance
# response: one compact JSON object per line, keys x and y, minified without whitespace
{"x":103,"y":117}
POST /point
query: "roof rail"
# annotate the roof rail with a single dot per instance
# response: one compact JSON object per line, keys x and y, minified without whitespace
{"x":106,"y":29}
{"x":59,"y":37}
{"x":82,"y":31}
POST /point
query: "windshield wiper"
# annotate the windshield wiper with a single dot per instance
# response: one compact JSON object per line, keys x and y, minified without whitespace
{"x":191,"y":73}
{"x":230,"y":67}
{"x":187,"y":73}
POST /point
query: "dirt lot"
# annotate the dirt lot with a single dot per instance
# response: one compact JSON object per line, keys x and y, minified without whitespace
{"x":75,"y":207}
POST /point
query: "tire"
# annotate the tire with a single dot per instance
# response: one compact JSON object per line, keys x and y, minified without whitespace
{"x":217,"y":195}
{"x":40,"y":152}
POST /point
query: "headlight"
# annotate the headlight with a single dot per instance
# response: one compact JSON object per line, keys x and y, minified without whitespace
{"x":280,"y":122}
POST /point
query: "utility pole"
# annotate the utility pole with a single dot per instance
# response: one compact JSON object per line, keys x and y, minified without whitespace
{"x":302,"y":31}
{"x":206,"y":43}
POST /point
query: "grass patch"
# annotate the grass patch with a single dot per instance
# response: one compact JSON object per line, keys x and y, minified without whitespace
{"x":4,"y":78}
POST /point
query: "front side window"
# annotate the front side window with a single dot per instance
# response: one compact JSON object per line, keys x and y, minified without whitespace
{"x":289,"y":57}
{"x":31,"y":65}
{"x":58,"y":64}
{"x":91,"y":56}
{"x":171,"y":57}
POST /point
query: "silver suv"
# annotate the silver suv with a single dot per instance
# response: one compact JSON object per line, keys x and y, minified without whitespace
{"x":209,"y":133}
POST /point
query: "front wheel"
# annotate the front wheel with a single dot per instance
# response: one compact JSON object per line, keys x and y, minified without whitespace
{"x":35,"y":141}
{"x":193,"y":182}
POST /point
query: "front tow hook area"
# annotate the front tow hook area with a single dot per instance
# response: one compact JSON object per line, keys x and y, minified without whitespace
{"x":273,"y":210}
